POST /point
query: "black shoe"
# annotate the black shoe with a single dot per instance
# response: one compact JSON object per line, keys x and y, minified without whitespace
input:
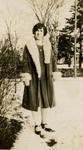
{"x":46,"y":127}
{"x":42,"y":136}
{"x":37,"y":129}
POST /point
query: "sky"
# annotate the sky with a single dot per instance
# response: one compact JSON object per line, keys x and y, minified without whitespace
{"x":64,"y":12}
{"x":18,"y":15}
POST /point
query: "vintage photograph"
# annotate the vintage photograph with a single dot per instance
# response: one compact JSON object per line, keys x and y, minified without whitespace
{"x":41,"y":74}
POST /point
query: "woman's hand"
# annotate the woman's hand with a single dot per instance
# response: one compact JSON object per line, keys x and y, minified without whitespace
{"x":26,"y":77}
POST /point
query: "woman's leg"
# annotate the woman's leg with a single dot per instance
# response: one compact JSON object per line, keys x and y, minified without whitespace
{"x":44,"y":119}
{"x":44,"y":115}
{"x":36,"y":117}
{"x":37,"y":123}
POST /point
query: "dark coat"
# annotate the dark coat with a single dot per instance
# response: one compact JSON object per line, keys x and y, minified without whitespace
{"x":31,"y":92}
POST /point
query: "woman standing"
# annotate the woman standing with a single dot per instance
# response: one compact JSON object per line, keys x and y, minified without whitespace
{"x":38,"y":92}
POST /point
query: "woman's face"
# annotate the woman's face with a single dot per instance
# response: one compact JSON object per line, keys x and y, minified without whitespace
{"x":39,"y":34}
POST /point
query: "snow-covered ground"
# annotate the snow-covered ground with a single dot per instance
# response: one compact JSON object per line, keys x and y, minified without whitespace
{"x":69,"y":114}
{"x":66,"y":118}
{"x":65,"y":66}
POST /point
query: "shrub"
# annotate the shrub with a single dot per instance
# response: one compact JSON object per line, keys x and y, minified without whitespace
{"x":8,"y":132}
{"x":9,"y":60}
{"x":70,"y":72}
{"x":9,"y":68}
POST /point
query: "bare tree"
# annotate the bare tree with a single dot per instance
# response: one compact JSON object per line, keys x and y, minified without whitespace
{"x":47,"y":13}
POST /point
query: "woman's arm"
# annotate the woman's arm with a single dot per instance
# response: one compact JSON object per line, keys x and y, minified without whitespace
{"x":26,"y":75}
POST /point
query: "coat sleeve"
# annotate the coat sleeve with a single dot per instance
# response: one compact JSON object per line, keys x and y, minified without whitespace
{"x":26,"y":61}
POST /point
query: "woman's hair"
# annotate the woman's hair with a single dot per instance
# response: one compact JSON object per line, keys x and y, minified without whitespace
{"x":39,"y":26}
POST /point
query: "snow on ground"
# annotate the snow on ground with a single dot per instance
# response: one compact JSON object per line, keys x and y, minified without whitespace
{"x":27,"y":140}
{"x":66,"y":118}
{"x":69,"y":114}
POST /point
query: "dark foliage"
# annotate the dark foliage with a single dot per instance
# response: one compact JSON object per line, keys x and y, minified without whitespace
{"x":9,"y":61}
{"x":8,"y":132}
{"x":65,"y":48}
{"x":70,"y":27}
{"x":70,"y":72}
